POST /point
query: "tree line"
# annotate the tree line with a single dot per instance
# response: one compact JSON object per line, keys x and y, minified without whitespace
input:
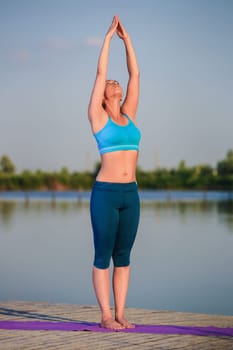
{"x":198,"y":177}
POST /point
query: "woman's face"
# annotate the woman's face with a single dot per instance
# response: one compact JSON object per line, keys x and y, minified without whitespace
{"x":112,"y":89}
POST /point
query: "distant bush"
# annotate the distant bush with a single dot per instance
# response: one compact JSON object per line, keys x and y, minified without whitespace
{"x":199,"y":177}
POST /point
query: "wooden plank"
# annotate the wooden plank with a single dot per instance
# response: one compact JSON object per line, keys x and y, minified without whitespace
{"x":36,"y":340}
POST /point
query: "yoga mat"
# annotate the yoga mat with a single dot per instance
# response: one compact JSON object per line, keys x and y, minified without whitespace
{"x":95,"y":327}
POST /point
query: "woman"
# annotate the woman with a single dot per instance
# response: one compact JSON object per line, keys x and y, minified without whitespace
{"x":114,"y":201}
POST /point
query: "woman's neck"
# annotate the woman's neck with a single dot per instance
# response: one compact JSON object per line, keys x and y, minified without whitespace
{"x":113,"y":108}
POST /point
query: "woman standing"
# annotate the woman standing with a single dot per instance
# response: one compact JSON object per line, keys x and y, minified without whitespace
{"x":114,"y":203}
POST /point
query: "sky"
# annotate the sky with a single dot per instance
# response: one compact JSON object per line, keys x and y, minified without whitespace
{"x":48,"y":57}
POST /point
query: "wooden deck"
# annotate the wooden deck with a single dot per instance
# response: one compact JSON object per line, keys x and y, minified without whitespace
{"x":35,"y":340}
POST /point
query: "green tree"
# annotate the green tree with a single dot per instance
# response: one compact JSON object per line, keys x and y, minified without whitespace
{"x":225,"y":167}
{"x":96,"y":169}
{"x":183,"y":175}
{"x":6,"y":165}
{"x":182,"y":166}
{"x":205,"y":176}
{"x":64,"y":176}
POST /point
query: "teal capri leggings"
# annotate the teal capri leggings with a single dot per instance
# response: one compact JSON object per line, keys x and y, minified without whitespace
{"x":115,"y":210}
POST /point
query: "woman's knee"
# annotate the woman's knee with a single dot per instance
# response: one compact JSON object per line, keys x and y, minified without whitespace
{"x":102,"y":258}
{"x":121,"y":260}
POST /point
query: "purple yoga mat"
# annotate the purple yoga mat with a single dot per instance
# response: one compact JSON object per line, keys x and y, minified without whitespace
{"x":95,"y":327}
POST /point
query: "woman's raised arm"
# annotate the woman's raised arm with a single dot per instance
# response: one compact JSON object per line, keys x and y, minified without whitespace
{"x":130,"y":103}
{"x":95,"y":108}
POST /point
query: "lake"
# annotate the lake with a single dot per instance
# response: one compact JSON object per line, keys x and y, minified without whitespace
{"x":182,"y":259}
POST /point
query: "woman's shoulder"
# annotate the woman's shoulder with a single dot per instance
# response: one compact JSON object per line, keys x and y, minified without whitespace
{"x":127,"y":115}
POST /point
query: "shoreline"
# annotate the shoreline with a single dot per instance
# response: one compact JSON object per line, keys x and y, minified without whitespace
{"x":146,"y":195}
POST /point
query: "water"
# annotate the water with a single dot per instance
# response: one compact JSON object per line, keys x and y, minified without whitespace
{"x":182,"y":259}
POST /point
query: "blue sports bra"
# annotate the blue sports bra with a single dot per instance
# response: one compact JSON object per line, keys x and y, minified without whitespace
{"x":113,"y":137}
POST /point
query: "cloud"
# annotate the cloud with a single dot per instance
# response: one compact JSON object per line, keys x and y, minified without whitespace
{"x":93,"y":41}
{"x":58,"y":43}
{"x":18,"y":56}
{"x":22,"y":56}
{"x":52,"y":44}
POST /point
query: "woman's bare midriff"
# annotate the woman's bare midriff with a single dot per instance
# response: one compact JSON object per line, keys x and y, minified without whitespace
{"x":119,"y":166}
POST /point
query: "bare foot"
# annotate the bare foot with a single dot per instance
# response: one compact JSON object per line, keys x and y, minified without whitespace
{"x":125,"y":323}
{"x":110,"y":323}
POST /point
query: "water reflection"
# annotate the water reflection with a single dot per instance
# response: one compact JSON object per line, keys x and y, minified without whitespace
{"x":223,"y":209}
{"x":182,"y":255}
{"x":6,"y":212}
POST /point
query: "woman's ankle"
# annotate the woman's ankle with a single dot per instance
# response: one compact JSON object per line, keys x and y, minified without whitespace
{"x":119,"y":315}
{"x":106,"y":315}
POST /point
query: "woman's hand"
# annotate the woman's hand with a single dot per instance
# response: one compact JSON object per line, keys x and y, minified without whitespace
{"x":121,"y":32}
{"x":113,"y":27}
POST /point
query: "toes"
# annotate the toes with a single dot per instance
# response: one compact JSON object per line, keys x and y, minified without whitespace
{"x":111,"y":324}
{"x":125,"y":323}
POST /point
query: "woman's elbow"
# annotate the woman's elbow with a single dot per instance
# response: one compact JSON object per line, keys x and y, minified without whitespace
{"x":135,"y":74}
